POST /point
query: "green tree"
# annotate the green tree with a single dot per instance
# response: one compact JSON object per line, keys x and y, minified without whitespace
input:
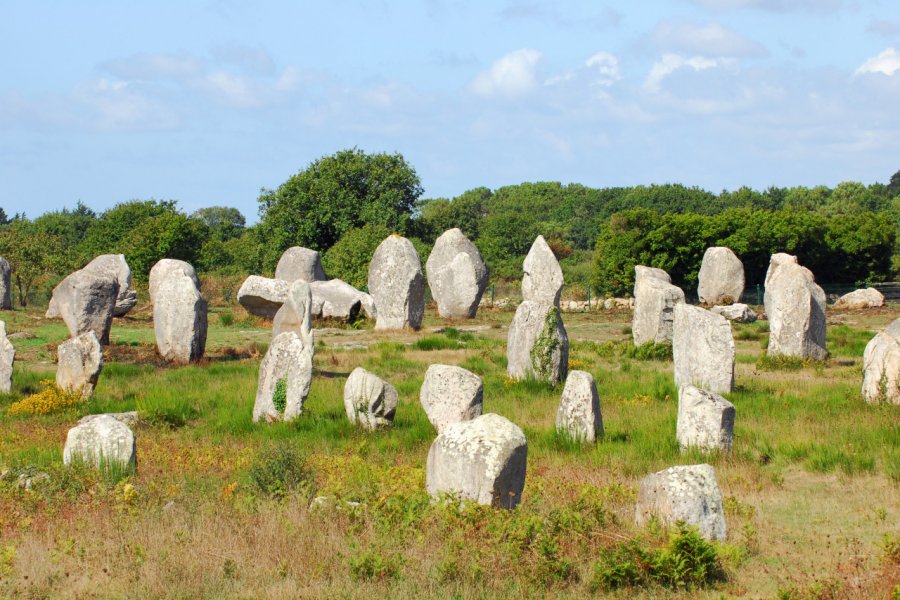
{"x":349,"y":258}
{"x":32,"y":254}
{"x":106,"y":234}
{"x":70,"y":227}
{"x":223,"y":222}
{"x":167,"y":235}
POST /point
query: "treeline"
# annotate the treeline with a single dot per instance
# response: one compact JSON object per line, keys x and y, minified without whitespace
{"x":344,"y":205}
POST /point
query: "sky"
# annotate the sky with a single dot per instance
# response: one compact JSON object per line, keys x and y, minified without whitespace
{"x":207,"y":102}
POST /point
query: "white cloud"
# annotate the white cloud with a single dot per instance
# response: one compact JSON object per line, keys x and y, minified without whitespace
{"x":712,"y":39}
{"x":887,"y":62}
{"x":155,"y":66}
{"x":512,"y":75}
{"x":669,"y":63}
{"x":605,"y":67}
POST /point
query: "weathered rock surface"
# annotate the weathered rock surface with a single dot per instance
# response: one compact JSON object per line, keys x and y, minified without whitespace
{"x":296,"y":313}
{"x":537,"y":344}
{"x":102,"y":440}
{"x":179,"y":319}
{"x":740,"y":313}
{"x":370,"y":401}
{"x":86,"y":300}
{"x":457,"y":275}
{"x":115,"y":265}
{"x":336,"y":299}
{"x":689,"y":493}
{"x":654,"y":305}
{"x":776,"y":260}
{"x":702,"y":349}
{"x":397,"y":285}
{"x":79,"y":362}
{"x":167,"y":266}
{"x":7,"y":358}
{"x":859,"y":299}
{"x":262,"y":296}
{"x":300,"y":264}
{"x":451,"y":394}
{"x":579,"y":409}
{"x":543,"y":278}
{"x":5,"y":285}
{"x":795,"y":307}
{"x":721,"y":277}
{"x":129,"y":418}
{"x":288,"y":358}
{"x":705,"y":420}
{"x":881,"y":366}
{"x":483,"y":460}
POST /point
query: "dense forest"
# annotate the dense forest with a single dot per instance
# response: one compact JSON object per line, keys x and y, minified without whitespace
{"x":344,"y":205}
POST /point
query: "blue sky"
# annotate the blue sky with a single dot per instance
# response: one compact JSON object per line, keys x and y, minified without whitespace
{"x":207,"y":102}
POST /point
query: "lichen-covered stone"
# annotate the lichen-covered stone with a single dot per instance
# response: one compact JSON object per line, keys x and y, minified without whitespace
{"x":702,"y":349}
{"x":296,"y":313}
{"x":881,"y":366}
{"x":179,"y":319}
{"x":721,"y":277}
{"x":167,"y":266}
{"x":397,"y":285}
{"x":739,"y":313}
{"x":457,"y":275}
{"x":688,"y":493}
{"x":483,"y":460}
{"x":543,"y":278}
{"x":654,"y":306}
{"x":300,"y":264}
{"x":859,"y":299}
{"x":795,"y":307}
{"x":579,"y":415}
{"x":7,"y":359}
{"x":102,"y":440}
{"x":5,"y":285}
{"x":450,"y":394}
{"x":705,"y":420}
{"x":79,"y":362}
{"x":86,"y":300}
{"x":262,"y":296}
{"x":537,"y":344}
{"x":370,"y":401}
{"x":289,"y":358}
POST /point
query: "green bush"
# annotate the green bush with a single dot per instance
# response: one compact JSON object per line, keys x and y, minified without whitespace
{"x":349,"y":258}
{"x":279,"y":396}
{"x":281,"y":469}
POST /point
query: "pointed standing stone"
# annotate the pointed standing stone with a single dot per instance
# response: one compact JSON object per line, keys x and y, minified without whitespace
{"x":579,"y":409}
{"x":795,"y":307}
{"x":397,"y":285}
{"x":289,"y":359}
{"x":79,"y":362}
{"x":537,"y":345}
{"x":5,"y":285}
{"x":543,"y":279}
{"x":296,"y":313}
{"x":86,"y":301}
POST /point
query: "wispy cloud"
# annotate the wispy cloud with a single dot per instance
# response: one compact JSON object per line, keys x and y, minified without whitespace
{"x":670,"y":63}
{"x":887,"y":63}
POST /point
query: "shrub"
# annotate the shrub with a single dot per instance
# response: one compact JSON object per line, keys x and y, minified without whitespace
{"x":281,"y":469}
{"x":780,"y":362}
{"x":651,"y":351}
{"x":51,"y":399}
{"x":279,"y":395}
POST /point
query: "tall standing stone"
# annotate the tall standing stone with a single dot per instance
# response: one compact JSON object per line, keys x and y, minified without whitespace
{"x":300,"y":264}
{"x":702,"y":349}
{"x":579,"y":409}
{"x":167,"y":266}
{"x":689,"y":493}
{"x":397,"y":285}
{"x":79,"y":362}
{"x":86,"y":301}
{"x":451,"y":394}
{"x":7,"y":358}
{"x":654,"y":305}
{"x":457,"y":275}
{"x":483,"y":460}
{"x":705,"y":420}
{"x":881,"y":366}
{"x":289,"y":361}
{"x":721,"y":277}
{"x":543,"y":278}
{"x":296,"y":313}
{"x":179,"y":319}
{"x":5,"y":285}
{"x":101,"y":441}
{"x":795,"y":307}
{"x":370,"y":401}
{"x":537,"y":344}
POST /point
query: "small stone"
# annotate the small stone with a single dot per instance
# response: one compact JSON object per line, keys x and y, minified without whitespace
{"x":102,"y":440}
{"x":483,"y":460}
{"x":860,"y":299}
{"x":300,"y":264}
{"x":543,"y":279}
{"x":262,"y":296}
{"x":397,"y":285}
{"x":705,"y":420}
{"x":689,"y":493}
{"x":457,"y":275}
{"x":369,"y":401}
{"x":721,"y":277}
{"x":537,"y":344}
{"x":739,"y":313}
{"x":451,"y":394}
{"x":7,"y":358}
{"x":79,"y":362}
{"x":702,"y":349}
{"x":337,"y":300}
{"x":654,"y":306}
{"x":579,"y":409}
{"x":289,"y":358}
{"x":881,"y":366}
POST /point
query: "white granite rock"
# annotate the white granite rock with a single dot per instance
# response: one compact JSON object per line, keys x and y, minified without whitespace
{"x":167,"y":266}
{"x":288,"y":358}
{"x":881,"y":366}
{"x":579,"y":414}
{"x":859,"y":299}
{"x":543,"y":278}
{"x":179,"y":319}
{"x":397,"y":285}
{"x":262,"y":296}
{"x":370,"y":401}
{"x":688,"y":493}
{"x":654,"y":305}
{"x":705,"y":420}
{"x":795,"y":307}
{"x":450,"y":394}
{"x":702,"y":349}
{"x":115,"y":265}
{"x":739,"y":313}
{"x":336,"y":299}
{"x":86,"y":300}
{"x":79,"y":362}
{"x":296,"y":313}
{"x":457,"y":275}
{"x":721,"y":277}
{"x":537,"y":344}
{"x":300,"y":264}
{"x":7,"y":358}
{"x":102,"y":440}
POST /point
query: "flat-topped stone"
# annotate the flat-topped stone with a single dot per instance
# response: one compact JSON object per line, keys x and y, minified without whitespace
{"x":102,"y":441}
{"x":262,"y":296}
{"x":300,"y":264}
{"x":79,"y":362}
{"x":685,"y":493}
{"x":881,"y":366}
{"x":579,"y":415}
{"x":705,"y":420}
{"x":654,"y":306}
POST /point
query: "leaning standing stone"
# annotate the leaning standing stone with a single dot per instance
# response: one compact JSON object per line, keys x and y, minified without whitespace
{"x":296,"y":313}
{"x":285,"y":375}
{"x":702,"y":349}
{"x":300,"y":264}
{"x":79,"y":362}
{"x":451,"y":394}
{"x":579,"y":409}
{"x":721,"y":277}
{"x":705,"y":420}
{"x":86,"y":301}
{"x":7,"y":358}
{"x":543,"y":279}
{"x":370,"y":401}
{"x":179,"y":319}
{"x":101,"y":441}
{"x":262,"y":296}
{"x":690,"y":494}
{"x":457,"y":275}
{"x":5,"y":285}
{"x":537,"y":345}
{"x":397,"y":285}
{"x":795,"y":307}
{"x":115,"y":265}
{"x":483,"y":460}
{"x":654,"y":305}
{"x":881,"y":366}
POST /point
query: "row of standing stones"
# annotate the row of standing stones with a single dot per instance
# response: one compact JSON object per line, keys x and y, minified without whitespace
{"x":481,"y":457}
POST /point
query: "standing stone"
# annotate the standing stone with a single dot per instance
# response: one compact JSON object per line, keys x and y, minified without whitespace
{"x":79,"y":362}
{"x":336,"y":299}
{"x":167,"y":266}
{"x":179,"y":319}
{"x":795,"y":307}
{"x":262,"y":296}
{"x":5,"y":285}
{"x":881,"y":366}
{"x":740,"y":313}
{"x":654,"y":305}
{"x":483,"y":460}
{"x":397,"y":285}
{"x":537,"y":344}
{"x":296,"y":313}
{"x":289,"y":358}
{"x":702,"y":349}
{"x":7,"y":358}
{"x":115,"y":265}
{"x":300,"y":264}
{"x":450,"y":394}
{"x":705,"y":420}
{"x":543,"y":279}
{"x":370,"y":401}
{"x":101,"y":441}
{"x":86,"y":301}
{"x":721,"y":277}
{"x":579,"y":409}
{"x":859,"y":299}
{"x":776,"y":260}
{"x":689,"y":493}
{"x":457,"y":275}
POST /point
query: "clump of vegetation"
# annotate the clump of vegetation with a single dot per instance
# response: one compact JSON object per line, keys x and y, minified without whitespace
{"x":781,"y":362}
{"x":281,"y":469}
{"x":49,"y":400}
{"x":279,"y":396}
{"x":545,"y":345}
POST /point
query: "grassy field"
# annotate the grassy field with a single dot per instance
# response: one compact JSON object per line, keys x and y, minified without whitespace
{"x":221,"y":507}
